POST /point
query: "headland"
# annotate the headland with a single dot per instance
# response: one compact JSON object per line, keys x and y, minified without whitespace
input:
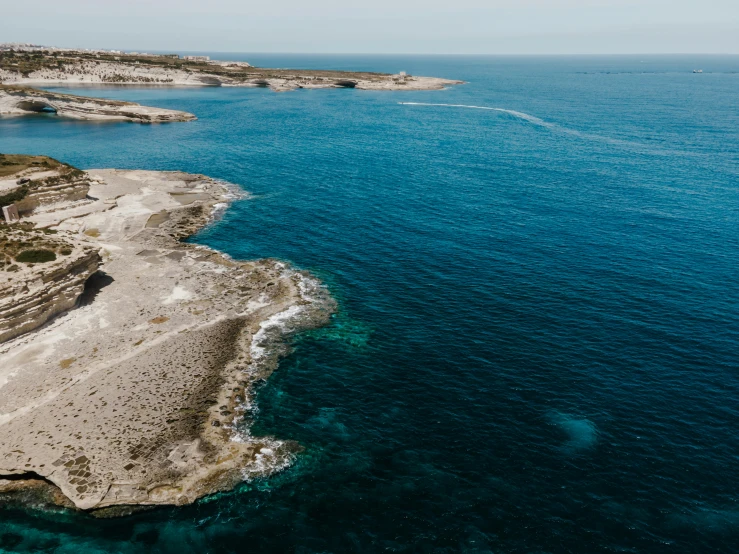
{"x":129,"y":357}
{"x":47,"y":66}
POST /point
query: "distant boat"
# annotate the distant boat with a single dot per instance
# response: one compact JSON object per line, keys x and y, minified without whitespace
{"x":697,"y":71}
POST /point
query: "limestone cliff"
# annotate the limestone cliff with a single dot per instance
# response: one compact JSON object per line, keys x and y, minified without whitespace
{"x":41,"y":276}
{"x":39,"y":183}
{"x":42,"y":272}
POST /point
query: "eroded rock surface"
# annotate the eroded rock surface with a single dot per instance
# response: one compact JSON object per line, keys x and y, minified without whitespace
{"x":36,"y":183}
{"x":133,"y":398}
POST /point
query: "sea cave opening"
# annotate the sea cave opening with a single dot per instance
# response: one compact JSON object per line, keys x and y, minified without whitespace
{"x":36,"y":106}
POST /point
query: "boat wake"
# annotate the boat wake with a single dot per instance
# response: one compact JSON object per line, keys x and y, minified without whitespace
{"x":526,"y":117}
{"x":632,"y":145}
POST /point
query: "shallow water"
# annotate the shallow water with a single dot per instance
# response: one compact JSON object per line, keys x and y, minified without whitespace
{"x":537,"y":344}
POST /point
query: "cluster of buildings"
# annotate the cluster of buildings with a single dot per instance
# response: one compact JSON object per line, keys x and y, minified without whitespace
{"x":21,"y":46}
{"x":28,"y":47}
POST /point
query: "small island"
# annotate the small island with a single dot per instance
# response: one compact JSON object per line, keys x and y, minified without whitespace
{"x":129,"y":356}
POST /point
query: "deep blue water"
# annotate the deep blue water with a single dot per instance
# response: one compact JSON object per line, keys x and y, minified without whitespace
{"x":537,"y":348}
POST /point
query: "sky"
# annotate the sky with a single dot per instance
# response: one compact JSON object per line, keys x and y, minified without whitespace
{"x":380,"y":26}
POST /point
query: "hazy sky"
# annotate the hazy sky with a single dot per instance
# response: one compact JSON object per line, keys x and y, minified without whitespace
{"x":380,"y":26}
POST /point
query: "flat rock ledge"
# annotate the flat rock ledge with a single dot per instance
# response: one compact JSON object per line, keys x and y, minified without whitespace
{"x":141,"y":395}
{"x":21,"y":100}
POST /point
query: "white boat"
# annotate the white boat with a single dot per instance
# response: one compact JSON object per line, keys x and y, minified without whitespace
{"x":697,"y":71}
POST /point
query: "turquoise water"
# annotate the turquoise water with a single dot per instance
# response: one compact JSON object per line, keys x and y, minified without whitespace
{"x":539,"y":328}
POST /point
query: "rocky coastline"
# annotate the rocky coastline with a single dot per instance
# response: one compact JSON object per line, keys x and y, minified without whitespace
{"x":130,"y":385}
{"x":130,"y":356}
{"x":44,"y":67}
{"x":23,"y":100}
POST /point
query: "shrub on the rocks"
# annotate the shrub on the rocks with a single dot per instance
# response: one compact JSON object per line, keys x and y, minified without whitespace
{"x":15,"y":196}
{"x":35,"y":256}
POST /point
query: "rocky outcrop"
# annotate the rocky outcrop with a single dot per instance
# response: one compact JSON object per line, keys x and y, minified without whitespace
{"x":33,"y":491}
{"x":34,"y":292}
{"x":19,"y":100}
{"x":40,"y":183}
{"x":48,"y":193}
{"x":42,"y":272}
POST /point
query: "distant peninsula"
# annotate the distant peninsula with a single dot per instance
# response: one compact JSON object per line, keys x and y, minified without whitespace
{"x":40,"y":66}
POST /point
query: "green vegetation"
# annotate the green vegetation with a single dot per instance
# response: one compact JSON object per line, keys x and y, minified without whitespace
{"x":22,"y":243}
{"x":19,"y":164}
{"x":35,"y":256}
{"x":16,"y":195}
{"x":11,"y":164}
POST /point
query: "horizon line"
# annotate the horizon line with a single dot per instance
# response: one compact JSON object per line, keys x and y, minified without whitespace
{"x":285,"y":52}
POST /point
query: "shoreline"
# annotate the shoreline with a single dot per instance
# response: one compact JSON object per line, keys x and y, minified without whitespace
{"x":21,"y":71}
{"x":283,"y":84}
{"x":156,"y":373}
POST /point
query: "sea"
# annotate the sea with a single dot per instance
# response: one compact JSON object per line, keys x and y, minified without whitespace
{"x":537,"y":342}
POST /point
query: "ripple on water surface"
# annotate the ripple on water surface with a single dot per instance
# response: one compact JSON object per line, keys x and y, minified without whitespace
{"x":536,"y":344}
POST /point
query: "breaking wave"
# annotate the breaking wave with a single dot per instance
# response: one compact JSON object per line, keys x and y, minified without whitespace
{"x":232,"y":193}
{"x":273,"y":455}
